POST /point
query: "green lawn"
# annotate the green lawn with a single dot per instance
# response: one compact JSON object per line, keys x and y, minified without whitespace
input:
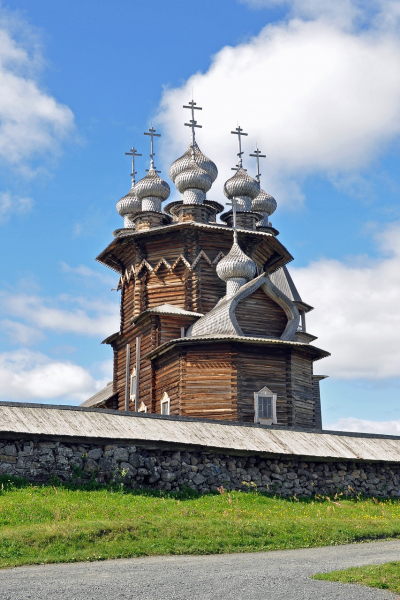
{"x":384,"y":577}
{"x":43,"y":524}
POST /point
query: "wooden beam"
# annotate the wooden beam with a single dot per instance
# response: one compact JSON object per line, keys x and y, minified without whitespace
{"x":138,"y":340}
{"x":127,"y":370}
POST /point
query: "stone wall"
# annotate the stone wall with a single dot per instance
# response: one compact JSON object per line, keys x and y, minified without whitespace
{"x":163,"y":469}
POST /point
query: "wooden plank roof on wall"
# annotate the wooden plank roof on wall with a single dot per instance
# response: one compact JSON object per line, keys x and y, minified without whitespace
{"x":98,"y":424}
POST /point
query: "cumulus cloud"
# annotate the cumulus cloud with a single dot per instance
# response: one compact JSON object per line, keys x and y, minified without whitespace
{"x":357,"y":314}
{"x":32,"y":122}
{"x":78,"y":315}
{"x":27,"y":375}
{"x":364,"y":426}
{"x":11,"y":204}
{"x":317,"y":95}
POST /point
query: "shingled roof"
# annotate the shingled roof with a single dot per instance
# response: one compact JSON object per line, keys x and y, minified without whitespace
{"x":100,"y":397}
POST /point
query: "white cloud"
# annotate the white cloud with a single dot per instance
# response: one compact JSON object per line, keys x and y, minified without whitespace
{"x":19,"y":333}
{"x":11,"y":204}
{"x":317,"y":96}
{"x":85,"y":272}
{"x":364,"y":426}
{"x":78,"y":315}
{"x":26,"y":375}
{"x":342,"y":11}
{"x":32,"y":122}
{"x":356,"y":314}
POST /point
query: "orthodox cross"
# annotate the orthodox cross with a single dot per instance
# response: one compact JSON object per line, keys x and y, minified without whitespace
{"x":233,"y":204}
{"x":257,"y":154}
{"x":132,"y":152}
{"x":152,"y":133}
{"x":193,"y":123}
{"x":239,"y":132}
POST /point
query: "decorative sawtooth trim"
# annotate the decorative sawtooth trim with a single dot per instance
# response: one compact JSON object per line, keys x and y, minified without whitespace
{"x":198,"y":257}
{"x":162,"y":261}
{"x":219,"y":257}
{"x":181,"y":258}
{"x":129,"y":273}
{"x":144,"y":263}
{"x":126,"y":277}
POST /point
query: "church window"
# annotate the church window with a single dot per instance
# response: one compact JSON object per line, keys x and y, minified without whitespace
{"x":265,"y":407}
{"x":142,"y":408}
{"x":165,"y":404}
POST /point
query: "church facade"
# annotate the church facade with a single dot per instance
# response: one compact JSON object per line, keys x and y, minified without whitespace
{"x":212,"y":325}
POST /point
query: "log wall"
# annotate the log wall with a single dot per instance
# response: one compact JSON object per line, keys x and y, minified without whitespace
{"x":258,"y":315}
{"x":303,"y":391}
{"x":208,"y":382}
{"x":258,"y":367}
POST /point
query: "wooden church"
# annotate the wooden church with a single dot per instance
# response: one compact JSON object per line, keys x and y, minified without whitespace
{"x":212,"y":325}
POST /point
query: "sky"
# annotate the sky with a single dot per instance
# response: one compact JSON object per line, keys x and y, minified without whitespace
{"x":315,"y":85}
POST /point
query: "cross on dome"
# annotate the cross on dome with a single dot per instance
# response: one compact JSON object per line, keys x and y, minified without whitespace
{"x":152,"y":133}
{"x":193,"y":123}
{"x":257,"y":154}
{"x":132,"y":152}
{"x":239,"y":132}
{"x":233,"y":204}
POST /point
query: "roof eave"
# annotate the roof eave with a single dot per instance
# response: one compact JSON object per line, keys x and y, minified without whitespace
{"x":167,"y":346}
{"x":108,"y":258}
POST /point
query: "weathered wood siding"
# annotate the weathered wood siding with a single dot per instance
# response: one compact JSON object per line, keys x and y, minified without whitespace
{"x":208,"y":382}
{"x":258,"y":315}
{"x":303,"y":391}
{"x":258,"y":367}
{"x":167,"y":378}
{"x":317,"y":402}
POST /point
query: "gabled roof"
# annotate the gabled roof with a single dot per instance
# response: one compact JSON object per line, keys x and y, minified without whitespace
{"x":100,"y":397}
{"x":282,"y":279}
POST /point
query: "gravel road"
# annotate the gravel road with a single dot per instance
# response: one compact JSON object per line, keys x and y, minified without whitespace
{"x":278,"y":575}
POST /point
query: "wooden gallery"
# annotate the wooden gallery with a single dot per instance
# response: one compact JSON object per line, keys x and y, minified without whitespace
{"x":212,"y":325}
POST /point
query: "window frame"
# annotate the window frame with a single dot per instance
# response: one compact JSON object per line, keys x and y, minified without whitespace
{"x":265,"y":392}
{"x":132,"y":389}
{"x":165,"y":400}
{"x":142,"y":408}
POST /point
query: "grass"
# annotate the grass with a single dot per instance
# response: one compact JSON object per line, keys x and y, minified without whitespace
{"x":48,"y":524}
{"x":384,"y":577}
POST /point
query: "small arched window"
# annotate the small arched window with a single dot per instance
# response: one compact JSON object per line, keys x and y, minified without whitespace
{"x":265,"y":407}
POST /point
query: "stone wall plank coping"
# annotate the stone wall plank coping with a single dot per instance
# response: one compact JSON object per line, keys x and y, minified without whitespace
{"x":69,"y":422}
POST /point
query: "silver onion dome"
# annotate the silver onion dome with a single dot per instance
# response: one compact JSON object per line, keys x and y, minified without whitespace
{"x":236,"y":265}
{"x":193,"y":177}
{"x":152,"y":190}
{"x":193,"y":183}
{"x":264,"y":203}
{"x":128,"y":206}
{"x":182,"y":163}
{"x":241,"y":185}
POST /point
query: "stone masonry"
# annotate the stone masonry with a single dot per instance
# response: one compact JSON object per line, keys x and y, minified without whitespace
{"x":171,"y":469}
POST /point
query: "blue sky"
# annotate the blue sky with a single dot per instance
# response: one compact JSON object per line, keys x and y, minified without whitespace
{"x":318,"y":87}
